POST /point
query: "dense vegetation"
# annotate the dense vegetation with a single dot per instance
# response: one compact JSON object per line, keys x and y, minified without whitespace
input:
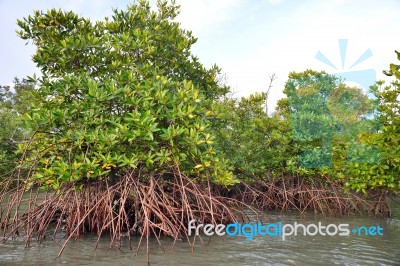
{"x":13,"y":103}
{"x":322,"y":130}
{"x":130,"y":132}
{"x":121,"y":93}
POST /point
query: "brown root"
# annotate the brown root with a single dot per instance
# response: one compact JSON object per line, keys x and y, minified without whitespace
{"x":325,"y":196}
{"x":129,"y":207}
{"x":149,"y":205}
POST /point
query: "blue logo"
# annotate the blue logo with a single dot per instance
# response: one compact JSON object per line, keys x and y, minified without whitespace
{"x":368,"y":231}
{"x":279,"y":229}
{"x":364,"y":78}
{"x":322,"y":107}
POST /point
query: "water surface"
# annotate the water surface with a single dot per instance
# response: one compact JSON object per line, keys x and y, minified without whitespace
{"x":226,"y":250}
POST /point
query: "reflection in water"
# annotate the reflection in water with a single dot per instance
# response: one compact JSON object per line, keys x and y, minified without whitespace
{"x":296,"y":250}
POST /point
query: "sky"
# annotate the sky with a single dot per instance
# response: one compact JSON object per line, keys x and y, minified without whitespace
{"x":249,"y":39}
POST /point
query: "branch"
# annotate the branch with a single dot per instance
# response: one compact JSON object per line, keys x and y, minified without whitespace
{"x":272,"y":78}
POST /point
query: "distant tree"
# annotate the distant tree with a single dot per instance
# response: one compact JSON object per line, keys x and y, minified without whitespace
{"x":14,"y":101}
{"x":257,"y":145}
{"x":323,"y":108}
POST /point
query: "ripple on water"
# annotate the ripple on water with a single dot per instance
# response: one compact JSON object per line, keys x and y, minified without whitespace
{"x":295,"y":250}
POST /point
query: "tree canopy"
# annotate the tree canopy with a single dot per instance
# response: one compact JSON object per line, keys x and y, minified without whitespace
{"x":123,"y":92}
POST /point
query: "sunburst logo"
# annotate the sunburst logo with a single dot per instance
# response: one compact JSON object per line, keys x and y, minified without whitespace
{"x":318,"y":113}
{"x":364,"y":78}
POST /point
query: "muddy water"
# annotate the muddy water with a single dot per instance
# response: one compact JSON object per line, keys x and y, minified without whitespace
{"x":226,"y":250}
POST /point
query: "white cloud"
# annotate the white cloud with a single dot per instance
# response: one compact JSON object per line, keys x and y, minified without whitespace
{"x":198,"y":15}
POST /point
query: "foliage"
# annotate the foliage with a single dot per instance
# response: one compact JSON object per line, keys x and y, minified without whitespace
{"x":120,"y":94}
{"x":135,"y":39}
{"x":13,"y":102}
{"x":384,"y":174}
{"x":256,"y":145}
{"x":316,"y":132}
{"x":322,"y":109}
{"x":126,"y":92}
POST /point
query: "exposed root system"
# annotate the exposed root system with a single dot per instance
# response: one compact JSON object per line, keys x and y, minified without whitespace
{"x":129,"y":207}
{"x":326,"y":197}
{"x":147,"y":205}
